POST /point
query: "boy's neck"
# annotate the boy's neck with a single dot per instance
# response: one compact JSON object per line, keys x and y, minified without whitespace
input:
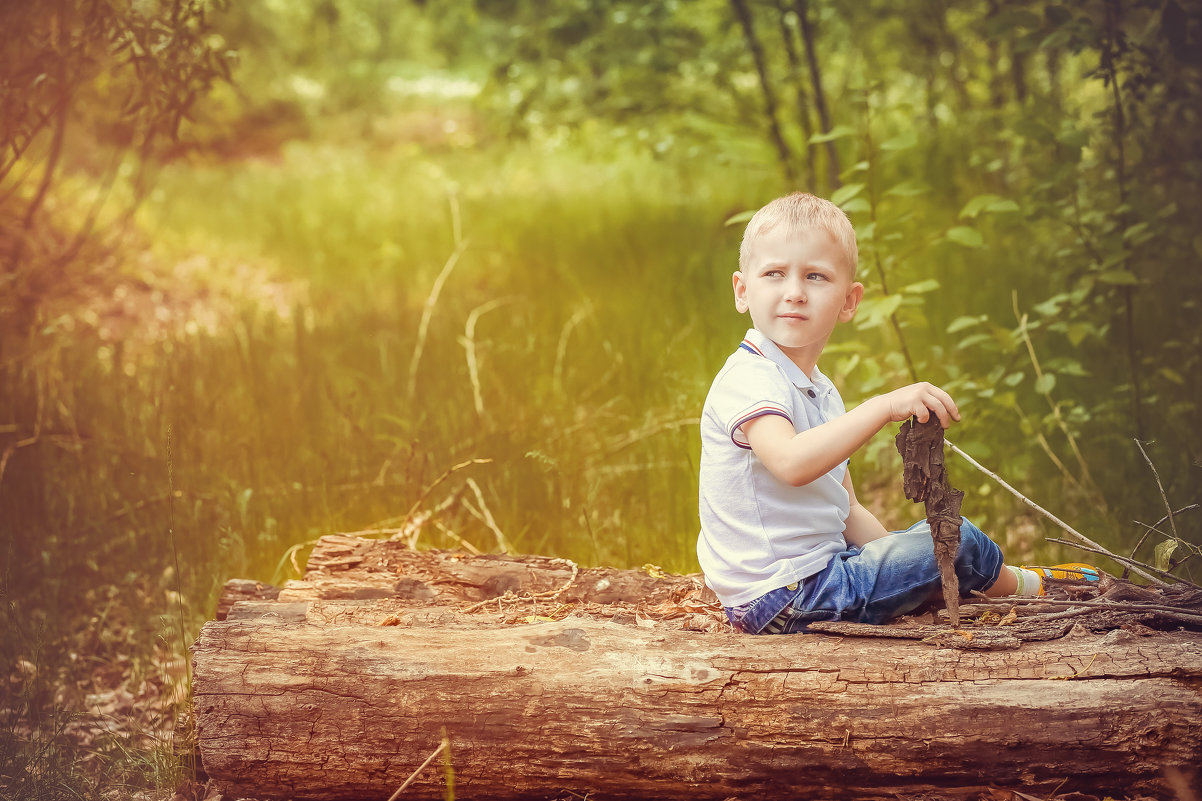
{"x":805,"y":359}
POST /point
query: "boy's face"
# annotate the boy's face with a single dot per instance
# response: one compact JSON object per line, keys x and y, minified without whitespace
{"x":797,"y":285}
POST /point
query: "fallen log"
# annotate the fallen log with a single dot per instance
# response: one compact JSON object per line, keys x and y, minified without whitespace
{"x":545,"y":691}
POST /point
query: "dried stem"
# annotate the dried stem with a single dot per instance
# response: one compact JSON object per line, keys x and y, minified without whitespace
{"x":1153,"y":527}
{"x":430,"y":487}
{"x":1131,"y":563}
{"x":1096,"y":605}
{"x":467,"y":546}
{"x":469,"y":347}
{"x":1159,"y":486}
{"x":423,"y":327}
{"x":420,"y":768}
{"x":1055,"y":406}
{"x":485,"y":517}
{"x":549,"y":595}
{"x":1049,"y":515}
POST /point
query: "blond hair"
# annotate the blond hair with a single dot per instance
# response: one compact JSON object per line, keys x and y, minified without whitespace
{"x":801,"y":211}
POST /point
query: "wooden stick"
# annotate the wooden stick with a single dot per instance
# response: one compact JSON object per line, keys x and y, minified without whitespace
{"x":1097,"y":606}
{"x":420,"y":768}
{"x":1126,"y":562}
{"x":430,"y":487}
{"x":1049,"y":515}
{"x":1153,"y":527}
{"x":1156,"y":475}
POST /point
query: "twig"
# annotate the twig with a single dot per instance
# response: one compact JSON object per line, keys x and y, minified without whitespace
{"x":412,"y":531}
{"x":1050,"y":616}
{"x":1055,"y":406}
{"x":1153,"y":527}
{"x":467,"y":546}
{"x":549,"y":595}
{"x":1048,"y":514}
{"x":1076,"y":675}
{"x":1125,"y":561}
{"x":430,"y":487}
{"x":1047,"y":449}
{"x":420,"y":768}
{"x":1096,"y":605}
{"x":1159,"y":486}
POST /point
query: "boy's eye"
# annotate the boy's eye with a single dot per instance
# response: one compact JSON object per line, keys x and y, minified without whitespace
{"x":816,"y":276}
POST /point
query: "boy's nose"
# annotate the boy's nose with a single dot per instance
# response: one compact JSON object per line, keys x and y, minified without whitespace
{"x":795,"y":291}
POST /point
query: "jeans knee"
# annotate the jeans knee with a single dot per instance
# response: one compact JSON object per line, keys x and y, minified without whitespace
{"x":974,"y":538}
{"x":979,"y":550}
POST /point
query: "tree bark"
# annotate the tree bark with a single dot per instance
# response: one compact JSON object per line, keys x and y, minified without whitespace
{"x":342,"y":686}
{"x":924,"y":478}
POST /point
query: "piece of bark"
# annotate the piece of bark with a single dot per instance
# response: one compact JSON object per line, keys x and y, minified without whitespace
{"x":598,"y":709}
{"x":236,"y":590}
{"x":924,"y":479}
{"x":355,"y":568}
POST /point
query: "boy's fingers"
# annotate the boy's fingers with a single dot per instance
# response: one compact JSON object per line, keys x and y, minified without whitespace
{"x":952,"y":410}
{"x":947,"y":409}
{"x":940,"y":412}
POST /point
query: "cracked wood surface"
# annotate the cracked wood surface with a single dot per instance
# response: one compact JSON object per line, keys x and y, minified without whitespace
{"x":338,"y":686}
{"x":353,"y":568}
{"x":318,"y":711}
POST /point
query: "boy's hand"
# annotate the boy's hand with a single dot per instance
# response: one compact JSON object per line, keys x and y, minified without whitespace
{"x":920,"y":400}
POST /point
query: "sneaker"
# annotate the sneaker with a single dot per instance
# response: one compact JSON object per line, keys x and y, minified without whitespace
{"x":1072,"y":571}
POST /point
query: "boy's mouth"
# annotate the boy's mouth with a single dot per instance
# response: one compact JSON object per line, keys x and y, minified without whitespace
{"x":794,"y":316}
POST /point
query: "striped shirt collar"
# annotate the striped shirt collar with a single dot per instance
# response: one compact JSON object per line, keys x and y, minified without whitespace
{"x":757,"y":343}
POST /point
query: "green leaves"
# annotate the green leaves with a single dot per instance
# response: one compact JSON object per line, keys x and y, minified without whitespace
{"x":875,"y":311}
{"x":963,"y":323}
{"x":908,"y":189}
{"x":740,"y":218}
{"x":987,"y":203}
{"x":838,"y":132}
{"x":968,"y":237}
{"x":845,"y":193}
{"x":920,"y":288}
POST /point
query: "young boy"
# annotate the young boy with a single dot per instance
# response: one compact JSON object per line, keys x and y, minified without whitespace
{"x":784,"y":541}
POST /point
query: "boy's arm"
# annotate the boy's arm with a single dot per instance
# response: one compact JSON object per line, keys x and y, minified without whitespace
{"x":797,"y":458}
{"x":861,"y":526}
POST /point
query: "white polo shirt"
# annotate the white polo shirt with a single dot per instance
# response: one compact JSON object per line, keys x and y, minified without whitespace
{"x":757,"y":533}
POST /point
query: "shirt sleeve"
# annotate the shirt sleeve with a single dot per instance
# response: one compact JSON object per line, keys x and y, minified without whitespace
{"x":747,"y":391}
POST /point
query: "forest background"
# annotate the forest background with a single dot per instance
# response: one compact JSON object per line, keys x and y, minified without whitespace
{"x":459,"y":272}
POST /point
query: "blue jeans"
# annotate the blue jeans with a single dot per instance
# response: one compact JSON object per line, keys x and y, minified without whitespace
{"x":885,"y":578}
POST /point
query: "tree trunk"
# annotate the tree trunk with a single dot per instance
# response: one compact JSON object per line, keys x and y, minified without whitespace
{"x":808,"y":36}
{"x":761,"y":67}
{"x":343,"y":685}
{"x":787,"y":36}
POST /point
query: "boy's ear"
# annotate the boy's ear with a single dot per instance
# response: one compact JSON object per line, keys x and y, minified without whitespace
{"x":740,"y":291}
{"x":855,"y":294}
